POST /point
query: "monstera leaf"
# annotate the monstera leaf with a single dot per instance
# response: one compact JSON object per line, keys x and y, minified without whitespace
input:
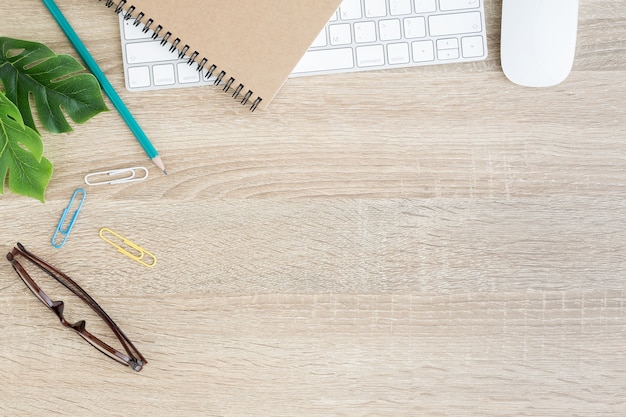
{"x":55,"y":82}
{"x":57,"y":85}
{"x":21,"y":154}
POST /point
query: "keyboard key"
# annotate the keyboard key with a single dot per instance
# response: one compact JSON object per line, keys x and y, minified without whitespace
{"x":389,"y":30}
{"x":375,"y":8}
{"x":187,"y":73}
{"x":364,"y":32}
{"x":452,"y":24}
{"x":399,"y":7}
{"x":323,"y":60}
{"x":425,"y":6}
{"x":340,"y":34}
{"x":370,"y":56}
{"x":473,"y":47}
{"x":132,"y":32}
{"x":447,"y":54}
{"x":163,"y":74}
{"x":139,"y":77}
{"x":143,"y":52}
{"x":423,"y":51}
{"x":398,"y":53}
{"x":447,"y":5}
{"x":350,"y":10}
{"x":448,"y":43}
{"x":414,"y":27}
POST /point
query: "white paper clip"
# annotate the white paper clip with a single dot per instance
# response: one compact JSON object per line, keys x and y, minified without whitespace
{"x":62,"y":229}
{"x":120,"y":176}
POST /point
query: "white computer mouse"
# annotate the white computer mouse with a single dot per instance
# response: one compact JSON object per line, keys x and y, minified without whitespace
{"x":538,"y":41}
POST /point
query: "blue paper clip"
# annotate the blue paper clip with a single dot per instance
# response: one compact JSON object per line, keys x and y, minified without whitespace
{"x":65,"y":231}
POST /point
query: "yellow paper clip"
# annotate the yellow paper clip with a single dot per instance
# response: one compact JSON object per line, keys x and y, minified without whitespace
{"x":120,"y":176}
{"x":65,"y":231}
{"x":128,"y":248}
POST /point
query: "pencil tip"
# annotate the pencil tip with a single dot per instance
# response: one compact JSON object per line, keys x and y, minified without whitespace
{"x":159,"y":163}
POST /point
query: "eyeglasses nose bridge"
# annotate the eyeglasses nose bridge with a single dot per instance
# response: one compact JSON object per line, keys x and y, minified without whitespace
{"x":58,"y":307}
{"x":79,"y":326}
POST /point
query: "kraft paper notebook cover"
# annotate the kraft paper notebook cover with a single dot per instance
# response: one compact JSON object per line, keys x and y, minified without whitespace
{"x":251,"y":46}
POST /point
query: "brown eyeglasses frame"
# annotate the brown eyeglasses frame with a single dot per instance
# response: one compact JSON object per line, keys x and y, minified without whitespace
{"x":132,"y":358}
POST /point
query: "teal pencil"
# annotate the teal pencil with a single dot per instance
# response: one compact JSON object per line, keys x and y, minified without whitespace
{"x":106,"y":85}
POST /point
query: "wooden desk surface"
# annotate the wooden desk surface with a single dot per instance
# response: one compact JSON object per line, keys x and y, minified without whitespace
{"x":424,"y":242}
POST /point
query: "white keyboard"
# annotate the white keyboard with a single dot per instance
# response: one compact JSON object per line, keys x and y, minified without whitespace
{"x":378,"y":34}
{"x":362,"y":35}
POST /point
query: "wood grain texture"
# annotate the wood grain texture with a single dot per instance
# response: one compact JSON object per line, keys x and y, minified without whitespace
{"x":433,"y":241}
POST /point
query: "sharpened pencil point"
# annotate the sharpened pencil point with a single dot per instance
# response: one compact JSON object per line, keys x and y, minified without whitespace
{"x":159,"y":163}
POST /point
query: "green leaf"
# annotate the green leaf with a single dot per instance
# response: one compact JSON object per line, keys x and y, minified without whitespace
{"x":21,"y":154}
{"x":55,"y":82}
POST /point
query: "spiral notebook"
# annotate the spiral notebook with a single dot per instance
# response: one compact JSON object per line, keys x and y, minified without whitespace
{"x":249,"y":47}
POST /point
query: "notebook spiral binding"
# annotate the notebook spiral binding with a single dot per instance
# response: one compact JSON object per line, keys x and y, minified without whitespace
{"x":202,"y":66}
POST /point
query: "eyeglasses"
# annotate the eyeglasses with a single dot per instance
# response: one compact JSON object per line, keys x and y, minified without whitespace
{"x":131,"y":358}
